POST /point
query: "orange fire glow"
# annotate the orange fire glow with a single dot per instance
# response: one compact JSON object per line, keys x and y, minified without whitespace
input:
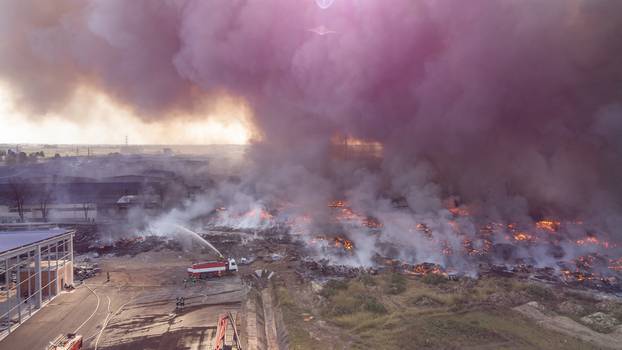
{"x":548,"y":225}
{"x":459,"y":211}
{"x":523,"y":236}
{"x":343,"y":242}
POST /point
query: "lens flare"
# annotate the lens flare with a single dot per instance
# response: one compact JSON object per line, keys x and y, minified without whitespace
{"x":324,"y":4}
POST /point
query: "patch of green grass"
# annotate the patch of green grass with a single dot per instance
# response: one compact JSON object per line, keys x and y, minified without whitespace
{"x":456,"y":315}
{"x":350,"y":298}
{"x":490,"y":329}
{"x":368,"y":280}
{"x":396,"y":284}
{"x":353,"y":300}
{"x":425,"y":299}
{"x":458,"y":302}
{"x":299,"y":337}
{"x":332,"y":287}
{"x":540,"y":293}
{"x":434,"y":279}
{"x":372,"y":305}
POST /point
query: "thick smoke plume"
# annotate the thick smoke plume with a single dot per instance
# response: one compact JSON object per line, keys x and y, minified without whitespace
{"x":510,"y":107}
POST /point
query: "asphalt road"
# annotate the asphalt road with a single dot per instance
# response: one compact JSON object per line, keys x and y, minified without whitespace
{"x":64,"y":314}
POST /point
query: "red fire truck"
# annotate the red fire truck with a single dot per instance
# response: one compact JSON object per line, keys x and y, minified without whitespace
{"x":69,"y":341}
{"x":213,"y":268}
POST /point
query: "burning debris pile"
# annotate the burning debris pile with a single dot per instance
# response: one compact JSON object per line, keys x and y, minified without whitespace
{"x":520,"y":141}
{"x":135,"y":245}
{"x":555,"y":251}
{"x":323,"y":268}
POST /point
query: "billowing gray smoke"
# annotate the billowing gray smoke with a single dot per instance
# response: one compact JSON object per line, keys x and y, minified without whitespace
{"x":512,"y":107}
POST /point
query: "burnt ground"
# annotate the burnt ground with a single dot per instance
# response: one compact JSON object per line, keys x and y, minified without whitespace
{"x":337,"y":307}
{"x":308,"y":304}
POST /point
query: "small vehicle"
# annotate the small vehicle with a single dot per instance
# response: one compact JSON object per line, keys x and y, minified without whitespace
{"x":70,"y":341}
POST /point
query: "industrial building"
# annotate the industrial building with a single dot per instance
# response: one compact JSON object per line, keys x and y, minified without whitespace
{"x":71,"y":199}
{"x":36,"y":264}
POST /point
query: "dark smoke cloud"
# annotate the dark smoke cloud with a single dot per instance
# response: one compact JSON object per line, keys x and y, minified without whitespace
{"x":514,"y":106}
{"x":51,"y":49}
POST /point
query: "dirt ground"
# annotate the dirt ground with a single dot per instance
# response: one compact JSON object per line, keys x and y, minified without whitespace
{"x":151,"y":282}
{"x":136,"y":309}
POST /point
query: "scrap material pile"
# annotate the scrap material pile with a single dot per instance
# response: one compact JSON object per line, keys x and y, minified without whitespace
{"x":569,"y":252}
{"x":85,"y":269}
{"x":134,"y":245}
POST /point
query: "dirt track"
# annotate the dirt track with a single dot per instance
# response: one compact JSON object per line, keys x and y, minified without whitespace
{"x":565,"y":325}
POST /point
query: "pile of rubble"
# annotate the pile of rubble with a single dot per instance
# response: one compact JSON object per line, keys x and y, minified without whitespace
{"x":571,"y":276}
{"x":136,"y":245}
{"x":311,"y":269}
{"x":85,"y":269}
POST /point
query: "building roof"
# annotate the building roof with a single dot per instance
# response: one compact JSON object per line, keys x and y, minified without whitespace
{"x":10,"y":240}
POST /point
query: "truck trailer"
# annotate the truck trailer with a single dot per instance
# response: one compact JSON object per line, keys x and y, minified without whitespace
{"x":213,"y":268}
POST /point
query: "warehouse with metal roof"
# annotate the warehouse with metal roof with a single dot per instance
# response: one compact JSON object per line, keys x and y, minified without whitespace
{"x":36,"y":264}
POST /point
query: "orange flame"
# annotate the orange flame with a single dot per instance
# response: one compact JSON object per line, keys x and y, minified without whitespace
{"x":548,"y":225}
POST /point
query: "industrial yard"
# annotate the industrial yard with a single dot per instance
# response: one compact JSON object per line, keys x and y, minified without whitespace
{"x":310,"y":174}
{"x":161,"y":280}
{"x":280,"y":301}
{"x":135,"y":308}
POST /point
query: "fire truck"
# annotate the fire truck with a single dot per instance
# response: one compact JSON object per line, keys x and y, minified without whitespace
{"x":213,"y":268}
{"x":69,"y":341}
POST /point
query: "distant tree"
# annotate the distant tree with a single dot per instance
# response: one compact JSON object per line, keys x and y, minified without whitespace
{"x":19,"y":191}
{"x":22,"y":158}
{"x":46,"y":196}
{"x":34,"y":156}
{"x":11,"y":157}
{"x":160,"y":190}
{"x":86,"y":207}
{"x":56,"y":156}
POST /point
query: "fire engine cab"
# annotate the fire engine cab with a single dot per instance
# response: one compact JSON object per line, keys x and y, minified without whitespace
{"x":213,"y":268}
{"x":69,"y":341}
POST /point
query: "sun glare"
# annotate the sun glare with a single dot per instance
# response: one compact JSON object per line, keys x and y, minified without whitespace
{"x":101,"y":121}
